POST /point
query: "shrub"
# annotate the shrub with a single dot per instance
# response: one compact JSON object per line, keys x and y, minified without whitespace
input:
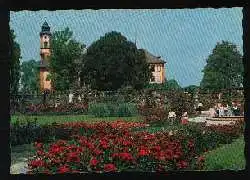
{"x":29,"y":131}
{"x":112,"y":109}
{"x":99,"y":110}
{"x":126,"y":110}
{"x":41,"y":109}
{"x":113,"y":147}
{"x":23,"y":133}
{"x":152,"y":109}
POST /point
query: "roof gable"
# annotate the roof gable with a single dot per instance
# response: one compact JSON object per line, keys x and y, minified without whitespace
{"x":150,"y":58}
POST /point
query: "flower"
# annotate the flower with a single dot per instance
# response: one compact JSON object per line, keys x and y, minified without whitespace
{"x":37,"y":163}
{"x":182,"y":164}
{"x":73,"y":157}
{"x":38,"y":145}
{"x":93,"y":162}
{"x":109,"y":167}
{"x":97,"y":152}
{"x":63,"y":169}
{"x":201,"y":159}
{"x":143,"y":152}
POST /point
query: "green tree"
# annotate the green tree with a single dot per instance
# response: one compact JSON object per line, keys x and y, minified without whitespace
{"x":169,"y":85}
{"x":14,"y":64}
{"x":64,"y":61}
{"x":224,"y":68}
{"x":191,"y":89}
{"x":172,"y":84}
{"x":113,"y":62}
{"x":30,"y":76}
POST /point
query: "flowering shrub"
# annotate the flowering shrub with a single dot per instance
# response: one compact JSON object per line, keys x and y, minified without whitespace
{"x":210,"y":137}
{"x":114,"y":147}
{"x":60,"y":109}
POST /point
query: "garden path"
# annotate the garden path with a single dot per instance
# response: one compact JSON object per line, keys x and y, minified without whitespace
{"x":208,"y":122}
{"x":19,"y":158}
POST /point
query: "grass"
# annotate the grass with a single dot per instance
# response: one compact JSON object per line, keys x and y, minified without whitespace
{"x":70,"y":118}
{"x":229,"y":156}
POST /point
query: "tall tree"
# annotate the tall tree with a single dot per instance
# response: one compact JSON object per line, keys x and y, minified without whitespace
{"x":14,"y":64}
{"x":30,"y":76}
{"x":113,"y":62}
{"x":65,"y":55}
{"x":169,"y":85}
{"x":224,"y":68}
{"x":191,"y":89}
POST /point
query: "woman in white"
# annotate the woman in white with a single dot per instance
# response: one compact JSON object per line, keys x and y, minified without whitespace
{"x":171,"y":116}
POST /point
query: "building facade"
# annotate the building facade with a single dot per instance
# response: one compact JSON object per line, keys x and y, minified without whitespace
{"x":45,"y":52}
{"x":157,"y":67}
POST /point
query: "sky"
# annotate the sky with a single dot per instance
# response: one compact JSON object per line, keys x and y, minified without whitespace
{"x":184,"y":38}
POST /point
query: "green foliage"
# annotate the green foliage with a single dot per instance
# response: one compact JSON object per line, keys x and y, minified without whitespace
{"x":171,"y":84}
{"x":126,"y":110}
{"x":191,"y":89}
{"x":179,"y":102}
{"x":224,"y":68}
{"x":65,"y":59}
{"x":112,"y":62}
{"x":29,"y":131}
{"x":14,"y":64}
{"x":50,"y":119}
{"x":230,"y":156}
{"x":30,"y":76}
{"x":112,"y":109}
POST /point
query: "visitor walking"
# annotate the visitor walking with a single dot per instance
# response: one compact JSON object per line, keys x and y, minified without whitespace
{"x":184,"y":118}
{"x":199,"y":108}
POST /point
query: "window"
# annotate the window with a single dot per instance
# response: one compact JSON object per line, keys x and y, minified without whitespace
{"x":158,"y":68}
{"x":152,"y":69}
{"x":45,"y":44}
{"x":152,"y":79}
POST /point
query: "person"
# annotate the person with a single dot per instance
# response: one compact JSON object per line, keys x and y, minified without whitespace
{"x":221,"y":110}
{"x":212,"y":112}
{"x":235,"y":109}
{"x":171,"y":116}
{"x":199,"y":108}
{"x":71,"y":97}
{"x":184,"y":118}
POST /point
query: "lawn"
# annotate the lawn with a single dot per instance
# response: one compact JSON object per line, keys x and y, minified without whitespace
{"x":69,"y":118}
{"x":229,"y":156}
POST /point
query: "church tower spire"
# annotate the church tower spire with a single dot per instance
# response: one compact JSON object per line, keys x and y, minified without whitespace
{"x":45,"y":52}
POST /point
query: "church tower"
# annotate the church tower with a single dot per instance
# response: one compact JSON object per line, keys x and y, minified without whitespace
{"x":45,"y":52}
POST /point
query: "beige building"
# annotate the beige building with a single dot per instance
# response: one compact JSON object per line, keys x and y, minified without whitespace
{"x":157,"y":66}
{"x":45,"y":53}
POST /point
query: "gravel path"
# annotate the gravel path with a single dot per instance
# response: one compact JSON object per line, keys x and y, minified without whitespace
{"x":209,"y":122}
{"x":19,"y":158}
{"x":19,"y":168}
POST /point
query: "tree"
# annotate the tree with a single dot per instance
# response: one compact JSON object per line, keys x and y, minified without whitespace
{"x":191,"y":89}
{"x":224,"y":68}
{"x":169,"y":85}
{"x":113,"y":62}
{"x":30,"y":76}
{"x":172,"y":84}
{"x":66,"y":53}
{"x":14,"y":64}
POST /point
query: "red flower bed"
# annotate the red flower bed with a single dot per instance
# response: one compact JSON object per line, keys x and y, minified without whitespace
{"x":113,"y":147}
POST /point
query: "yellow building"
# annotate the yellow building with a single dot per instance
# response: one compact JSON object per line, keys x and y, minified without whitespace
{"x":45,"y":52}
{"x":157,"y":67}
